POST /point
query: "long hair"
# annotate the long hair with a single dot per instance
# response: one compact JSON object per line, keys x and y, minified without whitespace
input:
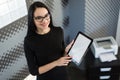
{"x":31,"y":25}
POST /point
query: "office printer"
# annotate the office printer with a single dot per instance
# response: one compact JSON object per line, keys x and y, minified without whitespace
{"x":104,"y":45}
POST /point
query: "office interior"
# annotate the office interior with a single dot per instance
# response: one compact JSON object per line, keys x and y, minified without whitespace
{"x":95,"y":18}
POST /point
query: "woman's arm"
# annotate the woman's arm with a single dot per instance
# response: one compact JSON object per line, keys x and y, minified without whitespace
{"x":36,"y":70}
{"x":63,"y":61}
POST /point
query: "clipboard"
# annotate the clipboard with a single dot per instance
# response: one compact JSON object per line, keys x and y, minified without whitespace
{"x":79,"y":48}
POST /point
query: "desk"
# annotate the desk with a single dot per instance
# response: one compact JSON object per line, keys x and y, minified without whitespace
{"x":97,"y":70}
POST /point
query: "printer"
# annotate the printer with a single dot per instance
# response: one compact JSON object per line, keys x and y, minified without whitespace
{"x":104,"y":45}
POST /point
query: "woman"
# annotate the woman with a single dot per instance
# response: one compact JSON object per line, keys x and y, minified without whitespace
{"x":44,"y":45}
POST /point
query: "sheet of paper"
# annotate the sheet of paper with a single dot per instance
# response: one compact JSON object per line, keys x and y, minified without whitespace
{"x":79,"y":48}
{"x":104,"y":77}
{"x":107,"y":57}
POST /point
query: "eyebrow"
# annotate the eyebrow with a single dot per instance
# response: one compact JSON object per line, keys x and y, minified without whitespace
{"x":43,"y":16}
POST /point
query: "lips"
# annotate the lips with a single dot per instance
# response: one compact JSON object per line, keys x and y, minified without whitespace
{"x":43,"y":25}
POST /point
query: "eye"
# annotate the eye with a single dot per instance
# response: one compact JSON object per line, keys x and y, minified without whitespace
{"x":38,"y":17}
{"x":47,"y":15}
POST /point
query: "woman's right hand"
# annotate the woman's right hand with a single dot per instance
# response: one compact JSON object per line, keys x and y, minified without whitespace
{"x":63,"y":61}
{"x":68,"y":47}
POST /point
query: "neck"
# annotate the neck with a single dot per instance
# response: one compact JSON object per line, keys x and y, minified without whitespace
{"x":39,"y":31}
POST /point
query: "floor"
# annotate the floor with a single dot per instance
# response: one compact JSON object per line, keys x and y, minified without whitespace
{"x":30,"y":77}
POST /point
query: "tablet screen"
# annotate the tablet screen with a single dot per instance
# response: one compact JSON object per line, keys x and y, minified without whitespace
{"x":81,"y":43}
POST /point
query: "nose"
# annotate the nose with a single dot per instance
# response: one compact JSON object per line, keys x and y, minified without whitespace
{"x":44,"y":20}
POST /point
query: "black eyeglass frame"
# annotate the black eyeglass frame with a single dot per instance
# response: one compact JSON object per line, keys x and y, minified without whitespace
{"x":40,"y":18}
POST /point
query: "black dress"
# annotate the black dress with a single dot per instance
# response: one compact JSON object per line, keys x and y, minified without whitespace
{"x":43,"y":49}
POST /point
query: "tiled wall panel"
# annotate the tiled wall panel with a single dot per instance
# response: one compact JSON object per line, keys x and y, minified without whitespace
{"x":13,"y":64}
{"x":12,"y":60}
{"x":101,"y":17}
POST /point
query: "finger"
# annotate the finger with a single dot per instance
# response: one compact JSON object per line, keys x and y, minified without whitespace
{"x":72,"y":42}
{"x":65,"y":64}
{"x":69,"y":60}
{"x":68,"y":57}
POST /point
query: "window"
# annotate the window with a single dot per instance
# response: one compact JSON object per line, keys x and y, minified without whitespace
{"x":11,"y":10}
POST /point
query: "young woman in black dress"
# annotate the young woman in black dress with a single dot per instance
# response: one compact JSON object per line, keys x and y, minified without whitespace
{"x":44,"y":45}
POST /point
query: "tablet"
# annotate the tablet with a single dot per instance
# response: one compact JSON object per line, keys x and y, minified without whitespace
{"x":79,"y":48}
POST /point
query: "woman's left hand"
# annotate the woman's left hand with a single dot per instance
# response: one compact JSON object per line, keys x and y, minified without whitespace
{"x":68,"y":47}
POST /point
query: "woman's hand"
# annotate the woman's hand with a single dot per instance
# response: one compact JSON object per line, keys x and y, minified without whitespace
{"x":63,"y":61}
{"x":68,"y":47}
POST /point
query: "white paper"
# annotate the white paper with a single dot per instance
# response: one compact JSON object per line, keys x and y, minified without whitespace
{"x":104,"y":77}
{"x":79,"y":48}
{"x":105,"y":69}
{"x":107,"y":57}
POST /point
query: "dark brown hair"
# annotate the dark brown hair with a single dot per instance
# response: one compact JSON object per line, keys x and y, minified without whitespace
{"x":31,"y":25}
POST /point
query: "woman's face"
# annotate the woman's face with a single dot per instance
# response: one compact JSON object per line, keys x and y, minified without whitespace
{"x":41,"y":18}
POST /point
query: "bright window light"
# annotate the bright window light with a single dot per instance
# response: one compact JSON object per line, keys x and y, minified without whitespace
{"x":11,"y":10}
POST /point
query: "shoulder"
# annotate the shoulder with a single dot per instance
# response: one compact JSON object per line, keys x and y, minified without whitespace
{"x":28,"y":40}
{"x":57,"y":29}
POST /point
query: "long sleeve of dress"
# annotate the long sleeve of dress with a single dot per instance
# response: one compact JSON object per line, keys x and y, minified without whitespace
{"x":33,"y":68}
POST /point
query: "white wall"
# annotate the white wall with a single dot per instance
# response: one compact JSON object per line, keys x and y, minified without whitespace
{"x":118,"y":31}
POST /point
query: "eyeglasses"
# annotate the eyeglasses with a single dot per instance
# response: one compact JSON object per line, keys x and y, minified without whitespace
{"x":40,"y":18}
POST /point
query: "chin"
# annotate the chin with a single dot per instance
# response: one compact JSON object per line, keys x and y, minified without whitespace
{"x":45,"y":26}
